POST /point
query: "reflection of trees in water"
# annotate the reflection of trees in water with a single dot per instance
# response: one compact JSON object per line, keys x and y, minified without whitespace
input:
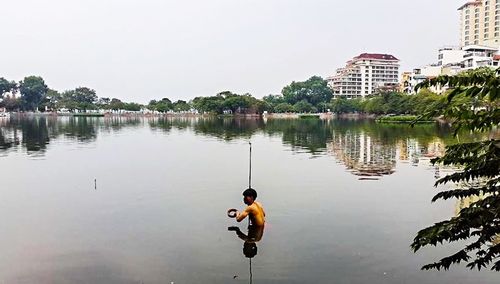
{"x":117,"y":123}
{"x":34,"y":133}
{"x":168,"y":123}
{"x":363,"y":146}
{"x":82,"y":129}
{"x":228,"y":128}
{"x":311,"y":135}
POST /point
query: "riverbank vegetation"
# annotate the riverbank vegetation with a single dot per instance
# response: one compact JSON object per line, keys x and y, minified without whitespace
{"x":309,"y":96}
{"x":402,"y":119}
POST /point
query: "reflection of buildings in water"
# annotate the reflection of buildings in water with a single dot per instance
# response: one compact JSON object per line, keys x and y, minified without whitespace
{"x":435,"y":148}
{"x":409,"y":151}
{"x":363,"y":155}
{"x":467,"y":202}
{"x":412,"y":151}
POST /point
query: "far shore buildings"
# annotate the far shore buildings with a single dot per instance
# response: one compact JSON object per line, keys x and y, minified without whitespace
{"x":480,"y":23}
{"x":366,"y":74}
{"x":451,"y":61}
{"x":479,"y":46}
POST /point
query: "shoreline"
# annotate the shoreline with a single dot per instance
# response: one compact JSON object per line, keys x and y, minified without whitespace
{"x":322,"y":116}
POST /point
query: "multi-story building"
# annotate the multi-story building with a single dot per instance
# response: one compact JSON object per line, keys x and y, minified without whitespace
{"x":450,"y":55}
{"x":366,"y":74}
{"x":480,"y":23}
{"x":478,"y":56}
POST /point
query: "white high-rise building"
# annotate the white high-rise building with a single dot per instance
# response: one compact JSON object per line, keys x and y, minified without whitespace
{"x":366,"y":74}
{"x":480,"y":23}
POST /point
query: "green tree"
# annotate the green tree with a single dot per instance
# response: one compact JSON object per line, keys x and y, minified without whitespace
{"x":132,"y":107}
{"x":51,"y":100}
{"x":164,"y":105}
{"x":116,"y":104}
{"x":181,"y":105}
{"x":7,"y":87}
{"x":473,"y":104}
{"x":314,"y":91}
{"x":33,"y":90}
{"x":304,"y":106}
{"x":11,"y":103}
{"x":272,"y":101}
{"x":214,"y":104}
{"x":236,"y":103}
{"x":283,"y":108}
{"x":344,"y":105}
{"x":423,"y":101}
{"x":103,"y":103}
{"x":84,"y":97}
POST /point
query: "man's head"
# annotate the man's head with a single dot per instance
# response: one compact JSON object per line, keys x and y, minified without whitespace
{"x":249,"y":196}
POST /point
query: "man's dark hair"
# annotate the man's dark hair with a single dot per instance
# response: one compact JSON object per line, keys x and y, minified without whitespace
{"x":250,"y":192}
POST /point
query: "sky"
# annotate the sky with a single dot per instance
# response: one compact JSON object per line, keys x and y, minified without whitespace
{"x":138,"y":50}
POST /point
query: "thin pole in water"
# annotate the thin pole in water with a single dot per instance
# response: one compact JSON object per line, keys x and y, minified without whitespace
{"x":251,"y":275}
{"x":250,"y":167}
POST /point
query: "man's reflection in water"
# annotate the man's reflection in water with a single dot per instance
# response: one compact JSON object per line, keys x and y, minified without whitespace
{"x":254,"y":235}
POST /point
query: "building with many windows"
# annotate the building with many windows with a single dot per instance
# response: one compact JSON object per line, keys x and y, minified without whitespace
{"x":480,"y":23}
{"x":366,"y":74}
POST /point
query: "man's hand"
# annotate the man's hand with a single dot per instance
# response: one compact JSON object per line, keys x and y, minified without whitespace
{"x":233,"y":229}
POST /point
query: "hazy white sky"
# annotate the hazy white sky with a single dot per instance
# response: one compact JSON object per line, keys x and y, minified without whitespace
{"x":138,"y":50}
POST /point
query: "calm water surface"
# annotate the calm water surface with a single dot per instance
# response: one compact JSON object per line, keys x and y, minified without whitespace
{"x":110,"y":200}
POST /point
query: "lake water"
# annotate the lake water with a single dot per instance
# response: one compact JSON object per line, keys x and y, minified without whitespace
{"x":130,"y":200}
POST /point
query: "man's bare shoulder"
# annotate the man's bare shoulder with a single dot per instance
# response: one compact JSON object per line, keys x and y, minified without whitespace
{"x":253,"y":207}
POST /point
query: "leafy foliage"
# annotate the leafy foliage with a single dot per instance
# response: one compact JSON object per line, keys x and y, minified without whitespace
{"x":304,"y":107}
{"x":228,"y":102}
{"x":473,"y":105}
{"x":7,"y":87}
{"x":314,"y":91}
{"x":33,"y":90}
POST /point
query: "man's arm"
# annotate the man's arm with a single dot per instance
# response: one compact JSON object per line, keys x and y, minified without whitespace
{"x":241,"y":216}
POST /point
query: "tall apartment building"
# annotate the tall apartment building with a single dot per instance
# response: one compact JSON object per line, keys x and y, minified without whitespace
{"x":366,"y":74}
{"x":480,"y":23}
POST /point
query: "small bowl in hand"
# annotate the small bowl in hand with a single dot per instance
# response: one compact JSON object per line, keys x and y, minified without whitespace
{"x":231,"y":213}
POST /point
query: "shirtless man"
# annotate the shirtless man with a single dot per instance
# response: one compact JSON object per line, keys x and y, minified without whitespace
{"x":254,"y":209}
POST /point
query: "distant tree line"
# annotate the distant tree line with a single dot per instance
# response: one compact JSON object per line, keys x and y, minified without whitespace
{"x":314,"y":95}
{"x":310,"y":96}
{"x":32,"y":94}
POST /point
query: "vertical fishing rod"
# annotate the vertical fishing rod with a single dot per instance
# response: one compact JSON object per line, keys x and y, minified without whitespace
{"x":250,"y":167}
{"x":250,"y":171}
{"x":251,"y":275}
